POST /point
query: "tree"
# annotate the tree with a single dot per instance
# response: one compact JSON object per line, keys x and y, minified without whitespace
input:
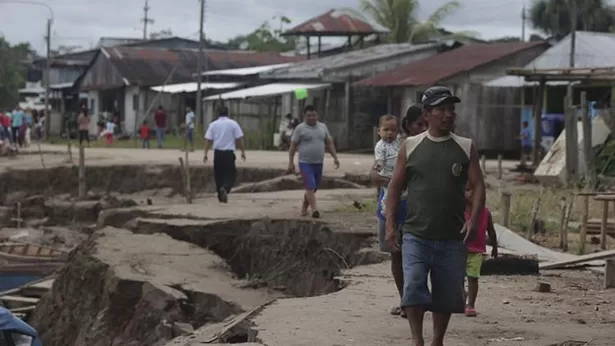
{"x":13,"y":71}
{"x":265,"y":38}
{"x":552,"y":17}
{"x":400,"y":17}
{"x":158,"y":35}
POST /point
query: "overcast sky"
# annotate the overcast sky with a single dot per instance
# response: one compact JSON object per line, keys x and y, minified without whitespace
{"x":83,"y":22}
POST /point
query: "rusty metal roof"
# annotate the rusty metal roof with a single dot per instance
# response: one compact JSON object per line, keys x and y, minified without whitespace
{"x":152,"y":66}
{"x":446,"y":65}
{"x":337,"y":22}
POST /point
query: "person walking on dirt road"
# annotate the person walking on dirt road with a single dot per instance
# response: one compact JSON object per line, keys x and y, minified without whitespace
{"x":412,"y":124}
{"x":311,"y":138}
{"x":435,"y":166}
{"x":224,"y":135}
{"x":160,"y":119}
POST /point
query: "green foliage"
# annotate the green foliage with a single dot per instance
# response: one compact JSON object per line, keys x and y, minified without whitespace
{"x":265,"y":38}
{"x":553,"y":17}
{"x":400,"y":17}
{"x":13,"y":70}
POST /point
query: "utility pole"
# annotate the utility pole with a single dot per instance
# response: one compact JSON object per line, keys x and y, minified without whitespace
{"x":523,"y":18}
{"x":199,"y":68}
{"x":47,"y":89}
{"x":146,"y":20}
{"x":573,"y":26}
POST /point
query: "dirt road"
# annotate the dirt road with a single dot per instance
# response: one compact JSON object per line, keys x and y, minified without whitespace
{"x":55,"y":155}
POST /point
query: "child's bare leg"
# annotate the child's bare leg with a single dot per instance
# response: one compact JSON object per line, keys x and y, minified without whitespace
{"x":472,"y":291}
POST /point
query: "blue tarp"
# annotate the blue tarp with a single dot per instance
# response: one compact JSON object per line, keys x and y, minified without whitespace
{"x":8,"y":322}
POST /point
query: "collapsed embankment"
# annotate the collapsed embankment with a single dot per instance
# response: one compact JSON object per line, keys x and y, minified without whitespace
{"x":165,"y":278}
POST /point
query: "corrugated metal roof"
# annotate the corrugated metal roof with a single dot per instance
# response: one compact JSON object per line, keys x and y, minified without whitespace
{"x":314,"y":69}
{"x":592,"y":49}
{"x":244,"y":71}
{"x":445,"y":65}
{"x":337,"y":22}
{"x":192,"y":87}
{"x":516,"y":82}
{"x":265,"y":91}
{"x":152,"y":66}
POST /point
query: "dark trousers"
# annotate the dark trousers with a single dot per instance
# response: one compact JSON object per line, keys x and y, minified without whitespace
{"x":84,"y":135}
{"x":17,"y":136}
{"x":225,"y":171}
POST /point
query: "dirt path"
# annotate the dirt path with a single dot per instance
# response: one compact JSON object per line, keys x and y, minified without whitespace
{"x":56,"y":155}
{"x":511,"y":314}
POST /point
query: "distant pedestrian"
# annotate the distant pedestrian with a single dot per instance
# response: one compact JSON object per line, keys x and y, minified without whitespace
{"x":311,"y":138}
{"x":109,"y":132}
{"x":160,"y":118}
{"x":224,"y":135}
{"x":144,"y":134}
{"x":83,"y":123}
{"x":17,"y":120}
{"x":190,"y":122}
{"x":526,"y":143}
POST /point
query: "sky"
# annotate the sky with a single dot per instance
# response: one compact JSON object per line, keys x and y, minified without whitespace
{"x":83,"y":22}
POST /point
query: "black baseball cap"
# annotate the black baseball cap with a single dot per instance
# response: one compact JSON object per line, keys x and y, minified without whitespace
{"x":438,"y":94}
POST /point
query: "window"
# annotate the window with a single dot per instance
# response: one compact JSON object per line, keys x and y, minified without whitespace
{"x":135,"y":102}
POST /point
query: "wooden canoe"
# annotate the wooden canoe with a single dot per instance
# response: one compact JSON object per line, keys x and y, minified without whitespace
{"x":30,"y":253}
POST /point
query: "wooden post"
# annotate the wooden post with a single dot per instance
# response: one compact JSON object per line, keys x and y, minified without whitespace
{"x":604,"y":224}
{"x":609,"y":273}
{"x":187,"y":192}
{"x":566,"y":220}
{"x":505,"y":207}
{"x":584,"y":217}
{"x":499,"y":173}
{"x":82,"y":185}
{"x":562,"y":236}
{"x":572,"y":139}
{"x":536,"y":148}
{"x":588,"y":155}
{"x":535,"y":212}
{"x":483,"y":163}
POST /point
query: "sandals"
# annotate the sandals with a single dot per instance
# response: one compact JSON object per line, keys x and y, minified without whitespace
{"x":398,"y":311}
{"x":470,"y":312}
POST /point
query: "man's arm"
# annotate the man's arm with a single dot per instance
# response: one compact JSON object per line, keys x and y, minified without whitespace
{"x":238,"y":133}
{"x":209,"y":140}
{"x":396,"y":185}
{"x":294,"y":142}
{"x":475,"y":177}
{"x":376,"y":179}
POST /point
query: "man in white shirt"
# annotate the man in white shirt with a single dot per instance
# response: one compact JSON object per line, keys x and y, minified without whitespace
{"x":190,"y":120}
{"x":224,"y":135}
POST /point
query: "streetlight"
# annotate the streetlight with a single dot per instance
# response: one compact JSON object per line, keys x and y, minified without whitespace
{"x":47,"y":61}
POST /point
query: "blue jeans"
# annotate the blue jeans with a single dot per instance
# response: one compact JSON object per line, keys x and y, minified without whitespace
{"x":159,"y":136}
{"x":445,"y":262}
{"x":190,"y":136}
{"x":145,"y":143}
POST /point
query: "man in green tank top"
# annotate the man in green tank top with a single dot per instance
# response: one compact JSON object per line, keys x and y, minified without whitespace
{"x":435,"y":166}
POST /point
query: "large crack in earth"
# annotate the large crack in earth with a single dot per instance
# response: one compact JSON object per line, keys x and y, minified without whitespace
{"x":145,"y":278}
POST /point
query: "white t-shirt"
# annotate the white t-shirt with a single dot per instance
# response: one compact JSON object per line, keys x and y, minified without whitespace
{"x":224,"y":131}
{"x":111,"y":127}
{"x":190,"y":120}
